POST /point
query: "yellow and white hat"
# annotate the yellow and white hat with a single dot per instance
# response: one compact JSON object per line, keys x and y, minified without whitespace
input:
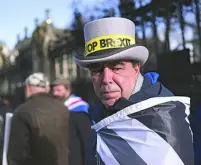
{"x":111,"y":39}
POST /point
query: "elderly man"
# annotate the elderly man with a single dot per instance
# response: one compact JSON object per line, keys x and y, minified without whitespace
{"x":140,"y":121}
{"x":39,"y":127}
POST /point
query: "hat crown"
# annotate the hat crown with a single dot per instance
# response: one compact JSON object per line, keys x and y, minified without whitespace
{"x":109,"y":26}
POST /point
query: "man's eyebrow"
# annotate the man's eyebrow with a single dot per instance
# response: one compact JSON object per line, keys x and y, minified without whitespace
{"x":100,"y":65}
{"x":95,"y":65}
{"x":118,"y":63}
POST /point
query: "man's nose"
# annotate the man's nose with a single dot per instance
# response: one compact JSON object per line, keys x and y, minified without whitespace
{"x":107,"y":76}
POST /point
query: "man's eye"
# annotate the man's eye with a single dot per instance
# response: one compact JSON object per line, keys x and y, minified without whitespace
{"x":95,"y":71}
{"x":117,"y":68}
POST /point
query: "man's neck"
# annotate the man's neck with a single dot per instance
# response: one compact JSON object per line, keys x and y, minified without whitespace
{"x":66,"y":98}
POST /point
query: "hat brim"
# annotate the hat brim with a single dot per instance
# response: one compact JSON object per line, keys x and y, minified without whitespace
{"x":134,"y":52}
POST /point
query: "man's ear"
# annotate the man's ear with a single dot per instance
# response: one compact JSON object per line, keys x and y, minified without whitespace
{"x":27,"y":87}
{"x":27,"y":90}
{"x":68,"y":91}
{"x":137,"y":68}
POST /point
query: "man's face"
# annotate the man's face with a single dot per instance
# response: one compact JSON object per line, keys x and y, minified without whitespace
{"x":60,"y":91}
{"x":114,"y":80}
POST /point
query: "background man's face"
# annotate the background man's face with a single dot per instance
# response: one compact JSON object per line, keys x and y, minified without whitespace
{"x":114,"y":80}
{"x":60,"y":91}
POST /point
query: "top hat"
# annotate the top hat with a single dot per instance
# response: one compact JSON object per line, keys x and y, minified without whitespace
{"x":111,"y":39}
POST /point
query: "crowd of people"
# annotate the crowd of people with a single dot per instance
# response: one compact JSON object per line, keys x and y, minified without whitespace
{"x":139,"y":121}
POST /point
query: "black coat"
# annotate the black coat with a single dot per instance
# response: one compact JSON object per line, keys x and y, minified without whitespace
{"x":39,"y":133}
{"x":79,"y":137}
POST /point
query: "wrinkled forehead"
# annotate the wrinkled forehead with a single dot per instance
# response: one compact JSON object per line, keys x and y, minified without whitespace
{"x":104,"y":64}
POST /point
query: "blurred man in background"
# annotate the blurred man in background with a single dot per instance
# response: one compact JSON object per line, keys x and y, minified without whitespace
{"x":5,"y":107}
{"x":39,"y":127}
{"x":79,"y":121}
